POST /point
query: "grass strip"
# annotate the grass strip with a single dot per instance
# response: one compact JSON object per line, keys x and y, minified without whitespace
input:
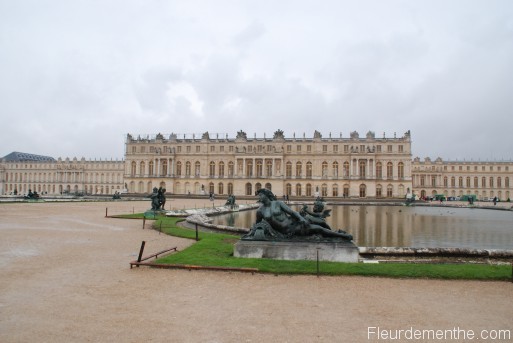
{"x":214,"y":249}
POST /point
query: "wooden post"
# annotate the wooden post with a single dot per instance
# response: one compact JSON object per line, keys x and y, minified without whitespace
{"x":317,"y":262}
{"x":196,"y":232}
{"x":144,"y":222}
{"x":106,"y":209}
{"x":141,"y":251}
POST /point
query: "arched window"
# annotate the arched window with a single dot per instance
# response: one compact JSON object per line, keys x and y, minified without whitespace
{"x":269,"y":168}
{"x":230,"y":188}
{"x":231,"y":169}
{"x":188,"y":168}
{"x":308,"y":190}
{"x":288,"y":169}
{"x":363,"y":190}
{"x":133,"y":169}
{"x":268,"y":186}
{"x":212,"y":169}
{"x":142,"y":168}
{"x":221,"y":169}
{"x":346,"y":169}
{"x":335,"y":190}
{"x":309,"y":169}
{"x":258,"y":186}
{"x":220,"y":188}
{"x":288,"y":189}
{"x":259,"y":168}
{"x":324,"y":190}
{"x":400,"y":170}
{"x":379,"y":170}
{"x":363,"y":169}
{"x":249,"y":168}
{"x":197,"y":169}
{"x":178,"y":168}
{"x":299,"y":169}
{"x":379,"y":191}
{"x":249,"y":189}
{"x":324,"y":169}
{"x":346,"y":191}
{"x":298,"y":190}
{"x":390,"y":170}
{"x":151,"y":170}
{"x":335,"y":169}
{"x":390,"y":191}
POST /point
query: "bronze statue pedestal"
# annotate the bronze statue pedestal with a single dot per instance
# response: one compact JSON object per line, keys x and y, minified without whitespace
{"x":333,"y":251}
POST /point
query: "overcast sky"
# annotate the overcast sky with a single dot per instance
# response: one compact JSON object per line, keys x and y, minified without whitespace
{"x":77,"y":76}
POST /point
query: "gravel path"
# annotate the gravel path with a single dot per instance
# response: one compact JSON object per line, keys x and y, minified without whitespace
{"x":65,"y":277}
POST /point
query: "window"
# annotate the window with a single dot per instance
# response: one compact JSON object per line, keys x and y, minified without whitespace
{"x":324,"y":169}
{"x":400,"y":170}
{"x":221,"y":148}
{"x":198,"y":149}
{"x":378,"y":148}
{"x":433,"y":181}
{"x":346,"y":149}
{"x":288,"y":169}
{"x":324,"y":148}
{"x":389,"y":148}
{"x":379,"y":170}
{"x":269,"y":168}
{"x":289,"y":148}
{"x":212,"y":148}
{"x":179,"y":149}
{"x":309,"y":169}
{"x":400,"y":147}
{"x":309,"y":148}
{"x":212,"y":169}
{"x":335,"y":148}
{"x":299,"y":169}
{"x":362,"y":149}
{"x":188,"y":148}
{"x":298,"y":148}
{"x":390,"y":170}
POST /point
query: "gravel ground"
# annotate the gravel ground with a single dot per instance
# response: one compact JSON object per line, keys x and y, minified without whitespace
{"x":65,"y":277}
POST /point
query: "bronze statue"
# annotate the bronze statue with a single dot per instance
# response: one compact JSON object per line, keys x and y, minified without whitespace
{"x":158,"y":199}
{"x":276,"y":221}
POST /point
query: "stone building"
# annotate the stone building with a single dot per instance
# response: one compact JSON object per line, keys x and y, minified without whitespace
{"x":21,"y":172}
{"x":485,"y":180}
{"x":296,"y":166}
{"x":333,"y":167}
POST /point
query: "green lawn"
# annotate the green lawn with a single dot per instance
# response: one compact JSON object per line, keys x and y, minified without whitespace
{"x":216,"y":250}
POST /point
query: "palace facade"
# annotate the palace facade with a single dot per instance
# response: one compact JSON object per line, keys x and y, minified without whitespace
{"x":21,"y":172}
{"x":329,"y":167}
{"x":332,"y":167}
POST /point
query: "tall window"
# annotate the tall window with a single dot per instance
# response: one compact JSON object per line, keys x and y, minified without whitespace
{"x":308,"y":190}
{"x":363,"y":169}
{"x":298,"y":189}
{"x":221,"y":169}
{"x":335,"y":190}
{"x":324,"y":169}
{"x":269,"y":168}
{"x":390,"y":191}
{"x":288,"y":169}
{"x":390,"y":170}
{"x":231,"y":167}
{"x":324,"y":190}
{"x":197,"y":169}
{"x":308,"y":169}
{"x":335,"y":169}
{"x":400,"y":169}
{"x":187,"y":168}
{"x":379,"y":170}
{"x":259,"y":168}
{"x":288,"y":189}
{"x":363,"y":189}
{"x":178,"y":168}
{"x":212,"y":169}
{"x":299,"y":169}
{"x":346,"y":169}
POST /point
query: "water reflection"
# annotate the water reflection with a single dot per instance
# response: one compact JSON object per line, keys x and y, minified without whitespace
{"x":411,"y":226}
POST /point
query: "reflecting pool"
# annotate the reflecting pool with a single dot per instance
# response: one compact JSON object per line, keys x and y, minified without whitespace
{"x":414,"y":226}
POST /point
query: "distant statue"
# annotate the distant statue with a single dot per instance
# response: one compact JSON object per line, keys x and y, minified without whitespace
{"x":32,"y":195}
{"x":158,"y":199}
{"x":277,"y":221}
{"x":230,"y":201}
{"x":116,"y":196}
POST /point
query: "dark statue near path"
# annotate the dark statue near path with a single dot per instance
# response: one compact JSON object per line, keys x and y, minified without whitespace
{"x":230,"y":201}
{"x":158,"y":199}
{"x":277,"y":221}
{"x":31,"y":195}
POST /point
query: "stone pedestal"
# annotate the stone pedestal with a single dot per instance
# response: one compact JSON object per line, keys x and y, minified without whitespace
{"x":328,"y":251}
